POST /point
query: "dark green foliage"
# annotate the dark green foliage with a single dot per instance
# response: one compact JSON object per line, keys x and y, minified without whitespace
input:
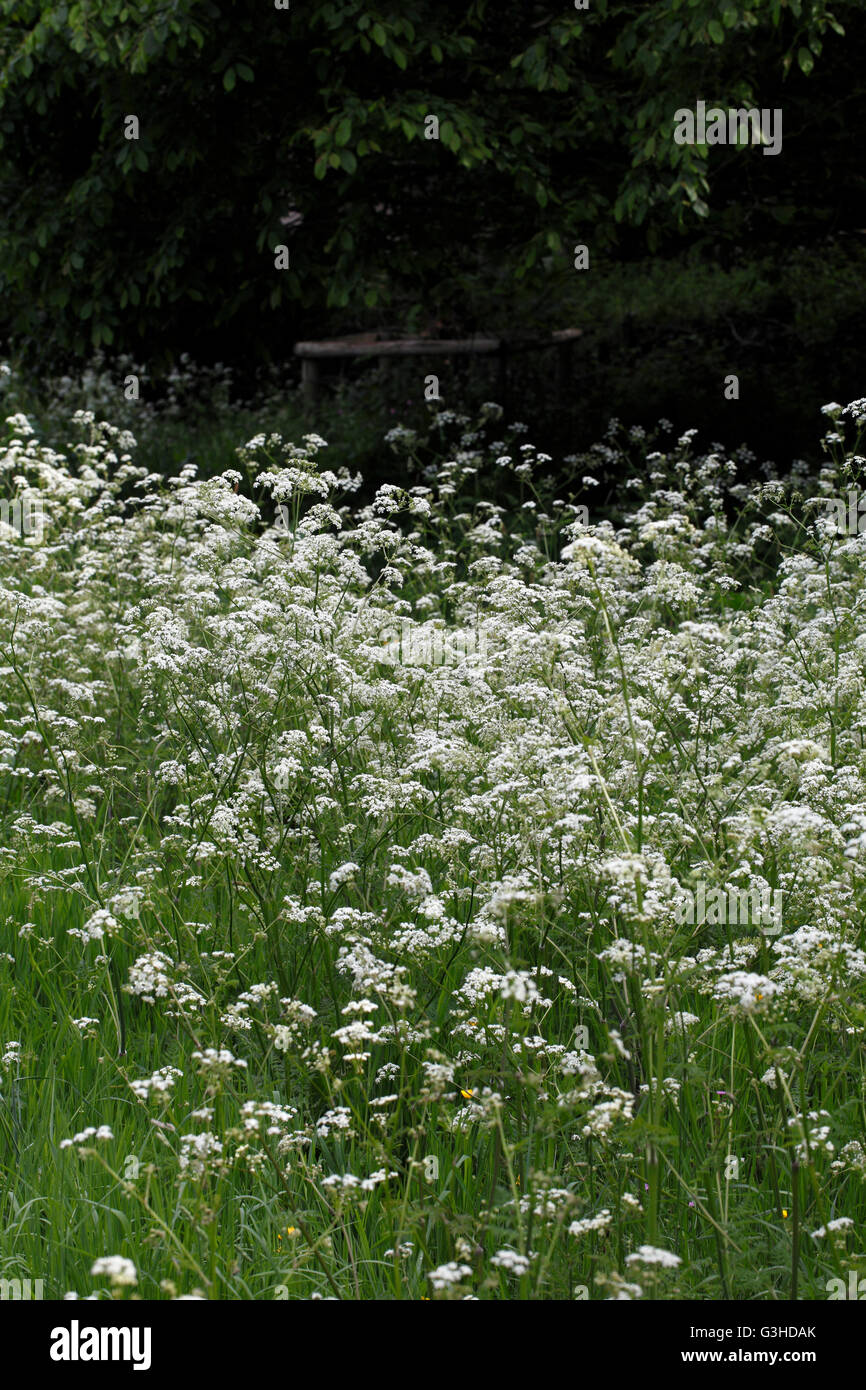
{"x":555,"y":128}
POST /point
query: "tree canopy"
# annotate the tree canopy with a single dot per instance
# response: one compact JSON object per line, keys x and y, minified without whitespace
{"x":306,"y":125}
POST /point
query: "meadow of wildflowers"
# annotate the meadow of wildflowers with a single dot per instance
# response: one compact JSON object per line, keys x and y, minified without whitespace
{"x":345,"y":852}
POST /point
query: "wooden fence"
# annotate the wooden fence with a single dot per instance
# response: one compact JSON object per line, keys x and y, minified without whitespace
{"x":312,"y":354}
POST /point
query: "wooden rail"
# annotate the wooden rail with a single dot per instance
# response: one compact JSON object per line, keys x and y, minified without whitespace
{"x":397,"y":347}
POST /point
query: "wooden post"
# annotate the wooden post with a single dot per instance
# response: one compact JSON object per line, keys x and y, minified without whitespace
{"x":564,"y":361}
{"x":502,"y":382}
{"x":565,"y":339}
{"x":309,"y":378}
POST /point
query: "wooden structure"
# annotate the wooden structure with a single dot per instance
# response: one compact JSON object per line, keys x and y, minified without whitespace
{"x":382,"y":348}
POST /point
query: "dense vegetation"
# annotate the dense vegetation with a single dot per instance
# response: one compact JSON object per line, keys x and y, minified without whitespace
{"x":346,"y":849}
{"x":261,"y":126}
{"x":431,"y":860}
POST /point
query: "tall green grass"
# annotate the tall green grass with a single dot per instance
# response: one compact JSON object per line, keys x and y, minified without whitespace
{"x":342,"y":867}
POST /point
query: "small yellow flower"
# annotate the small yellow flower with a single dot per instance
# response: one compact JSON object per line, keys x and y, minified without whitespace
{"x":784,"y":1211}
{"x":467,"y":1095}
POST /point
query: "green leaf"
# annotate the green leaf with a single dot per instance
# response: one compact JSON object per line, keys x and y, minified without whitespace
{"x":348,"y":161}
{"x":715,"y":31}
{"x":343,"y":131}
{"x":805,"y":59}
{"x":229,"y":79}
{"x":379,"y":35}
